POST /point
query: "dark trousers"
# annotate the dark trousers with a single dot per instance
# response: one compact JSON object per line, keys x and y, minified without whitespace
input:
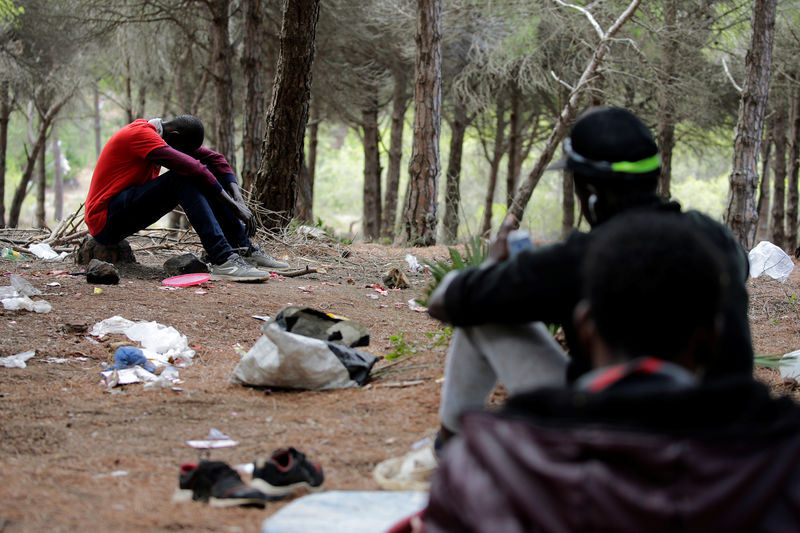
{"x":136,"y":208}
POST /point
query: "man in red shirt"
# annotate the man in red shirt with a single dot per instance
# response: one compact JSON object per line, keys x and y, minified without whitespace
{"x":128,"y":194}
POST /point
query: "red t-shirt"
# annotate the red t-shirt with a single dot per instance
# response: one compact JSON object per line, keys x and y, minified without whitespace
{"x":122,"y":164}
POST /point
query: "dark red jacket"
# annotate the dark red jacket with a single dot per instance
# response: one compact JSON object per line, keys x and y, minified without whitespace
{"x":721,"y":457}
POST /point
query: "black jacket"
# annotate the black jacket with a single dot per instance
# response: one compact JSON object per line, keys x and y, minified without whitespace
{"x":720,"y":457}
{"x":543,"y":284}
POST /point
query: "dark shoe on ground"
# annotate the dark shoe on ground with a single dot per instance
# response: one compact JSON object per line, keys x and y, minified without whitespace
{"x":260,"y":259}
{"x":285,"y":472}
{"x":237,"y":269}
{"x":218,"y":484}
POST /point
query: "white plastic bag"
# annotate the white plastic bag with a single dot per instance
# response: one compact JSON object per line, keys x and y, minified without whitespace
{"x":766,"y":258}
{"x":17,"y":360}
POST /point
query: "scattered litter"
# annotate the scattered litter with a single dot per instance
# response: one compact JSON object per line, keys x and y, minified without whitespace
{"x":766,"y":258}
{"x":115,"y":473}
{"x":165,"y":342}
{"x":8,"y":292}
{"x":350,"y":281}
{"x":380,"y":290}
{"x":273,"y":275}
{"x":214,"y":439}
{"x":23,"y":302}
{"x":12,"y":255}
{"x":126,"y":376}
{"x":98,"y":290}
{"x":265,"y":318}
{"x":17,"y":360}
{"x":414,"y":306}
{"x":168,"y":379}
{"x":373,"y":296}
{"x":54,"y":284}
{"x":790,"y":365}
{"x":397,"y":384}
{"x":128,"y":357}
{"x":44,"y":251}
{"x":411,"y":471}
{"x":413,"y":264}
{"x":186,"y":280}
{"x":200,"y":291}
{"x":306,"y":289}
{"x":23,"y":286}
{"x":311,"y":231}
{"x":115,"y":324}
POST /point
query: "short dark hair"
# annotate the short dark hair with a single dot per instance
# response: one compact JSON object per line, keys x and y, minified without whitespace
{"x":192,"y":131}
{"x":652,"y":282}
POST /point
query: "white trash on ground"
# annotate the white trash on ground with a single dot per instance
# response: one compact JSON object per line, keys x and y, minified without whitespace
{"x":790,"y":365}
{"x":23,"y":302}
{"x":160,"y":343}
{"x":17,"y":360}
{"x":44,"y":251}
{"x":766,"y":258}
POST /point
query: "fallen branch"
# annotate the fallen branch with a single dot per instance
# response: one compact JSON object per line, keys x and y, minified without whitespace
{"x":296,"y":273}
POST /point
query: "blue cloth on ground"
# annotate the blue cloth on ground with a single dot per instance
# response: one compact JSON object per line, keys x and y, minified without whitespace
{"x":128,"y":357}
{"x":345,"y":511}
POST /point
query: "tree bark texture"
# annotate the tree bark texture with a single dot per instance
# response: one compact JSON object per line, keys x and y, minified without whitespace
{"x":5,"y":113}
{"x":221,"y":67}
{"x":282,"y":148}
{"x":58,"y":181}
{"x":494,"y":163}
{"x":567,"y":204}
{"x":793,"y":164}
{"x":740,"y":213}
{"x":399,"y":103}
{"x":420,"y":216}
{"x":525,"y":190}
{"x":452,"y":198}
{"x":514,"y":143}
{"x":304,"y":206}
{"x":98,"y":124}
{"x":777,"y":232}
{"x":41,"y":188}
{"x":372,"y":170}
{"x":252,"y":68}
{"x":665,"y":96}
{"x":762,"y":231}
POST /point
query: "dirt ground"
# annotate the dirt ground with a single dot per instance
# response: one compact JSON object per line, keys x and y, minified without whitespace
{"x":76,"y":457}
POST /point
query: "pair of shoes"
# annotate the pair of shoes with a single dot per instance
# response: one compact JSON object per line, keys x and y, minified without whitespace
{"x":258,"y":258}
{"x":286,"y":472}
{"x":237,"y":269}
{"x":218,"y":484}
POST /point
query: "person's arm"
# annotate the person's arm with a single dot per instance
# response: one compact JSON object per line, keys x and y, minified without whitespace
{"x":183,"y":164}
{"x":217,"y":165}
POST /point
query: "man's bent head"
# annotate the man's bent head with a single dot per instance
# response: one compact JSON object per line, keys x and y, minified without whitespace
{"x":185,"y":133}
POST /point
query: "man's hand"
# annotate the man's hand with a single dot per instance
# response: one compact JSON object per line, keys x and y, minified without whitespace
{"x":241,"y":210}
{"x":498,"y":248}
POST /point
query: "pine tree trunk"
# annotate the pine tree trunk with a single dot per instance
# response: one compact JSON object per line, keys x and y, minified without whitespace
{"x":494,"y":164}
{"x":372,"y":170}
{"x":740,"y":213}
{"x":665,"y":130}
{"x":221,"y":66}
{"x":778,"y":235}
{"x":58,"y":181}
{"x":762,"y":231}
{"x":98,"y":124}
{"x":41,"y":188}
{"x":282,"y":149}
{"x":567,"y":204}
{"x":304,"y":206}
{"x":399,"y":103}
{"x":514,"y":144}
{"x":452,"y":199}
{"x":252,"y":68}
{"x":420,"y":215}
{"x":5,"y":113}
{"x":791,"y":180}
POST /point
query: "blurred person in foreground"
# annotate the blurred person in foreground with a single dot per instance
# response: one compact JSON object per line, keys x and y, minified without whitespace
{"x":641,"y":442}
{"x":500,"y":309}
{"x":127,"y":194}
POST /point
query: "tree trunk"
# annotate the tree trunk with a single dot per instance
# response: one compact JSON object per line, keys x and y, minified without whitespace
{"x":494,"y":163}
{"x":252,"y":68}
{"x":514,"y":143}
{"x":740,"y":214}
{"x":452,"y":199}
{"x":27,"y":173}
{"x":399,"y":103}
{"x":41,"y":188}
{"x":58,"y":181}
{"x":98,"y":124}
{"x":5,"y":113}
{"x":420,"y":216}
{"x":221,"y":66}
{"x":282,"y":149}
{"x":567,"y":204}
{"x":129,"y":91}
{"x":778,"y":235}
{"x":762,"y":231}
{"x":372,"y":170}
{"x":791,"y":180}
{"x":304,"y":206}
{"x":665,"y":130}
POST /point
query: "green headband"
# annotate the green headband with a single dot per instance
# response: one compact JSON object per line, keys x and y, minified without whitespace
{"x":642,"y":166}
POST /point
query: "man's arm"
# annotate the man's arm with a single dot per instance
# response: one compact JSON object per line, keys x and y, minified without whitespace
{"x":183,"y":164}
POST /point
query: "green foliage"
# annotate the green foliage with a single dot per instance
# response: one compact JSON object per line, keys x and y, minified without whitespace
{"x":9,"y":12}
{"x":770,"y":360}
{"x":476,"y":250}
{"x":441,"y":337}
{"x":400,"y":348}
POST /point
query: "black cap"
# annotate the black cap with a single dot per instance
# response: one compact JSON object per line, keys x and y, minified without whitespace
{"x":610,"y":142}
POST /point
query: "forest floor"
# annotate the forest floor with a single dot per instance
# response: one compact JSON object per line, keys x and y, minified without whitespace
{"x":75,"y":456}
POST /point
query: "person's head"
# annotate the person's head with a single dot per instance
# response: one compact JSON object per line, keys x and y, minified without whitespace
{"x":185,"y":133}
{"x":652,"y":286}
{"x":614,"y":161}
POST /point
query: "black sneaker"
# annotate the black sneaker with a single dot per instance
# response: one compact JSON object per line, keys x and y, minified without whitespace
{"x":218,"y":484}
{"x":285,"y":472}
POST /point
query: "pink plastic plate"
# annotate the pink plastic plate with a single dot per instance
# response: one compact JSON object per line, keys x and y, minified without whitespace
{"x":186,"y":280}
